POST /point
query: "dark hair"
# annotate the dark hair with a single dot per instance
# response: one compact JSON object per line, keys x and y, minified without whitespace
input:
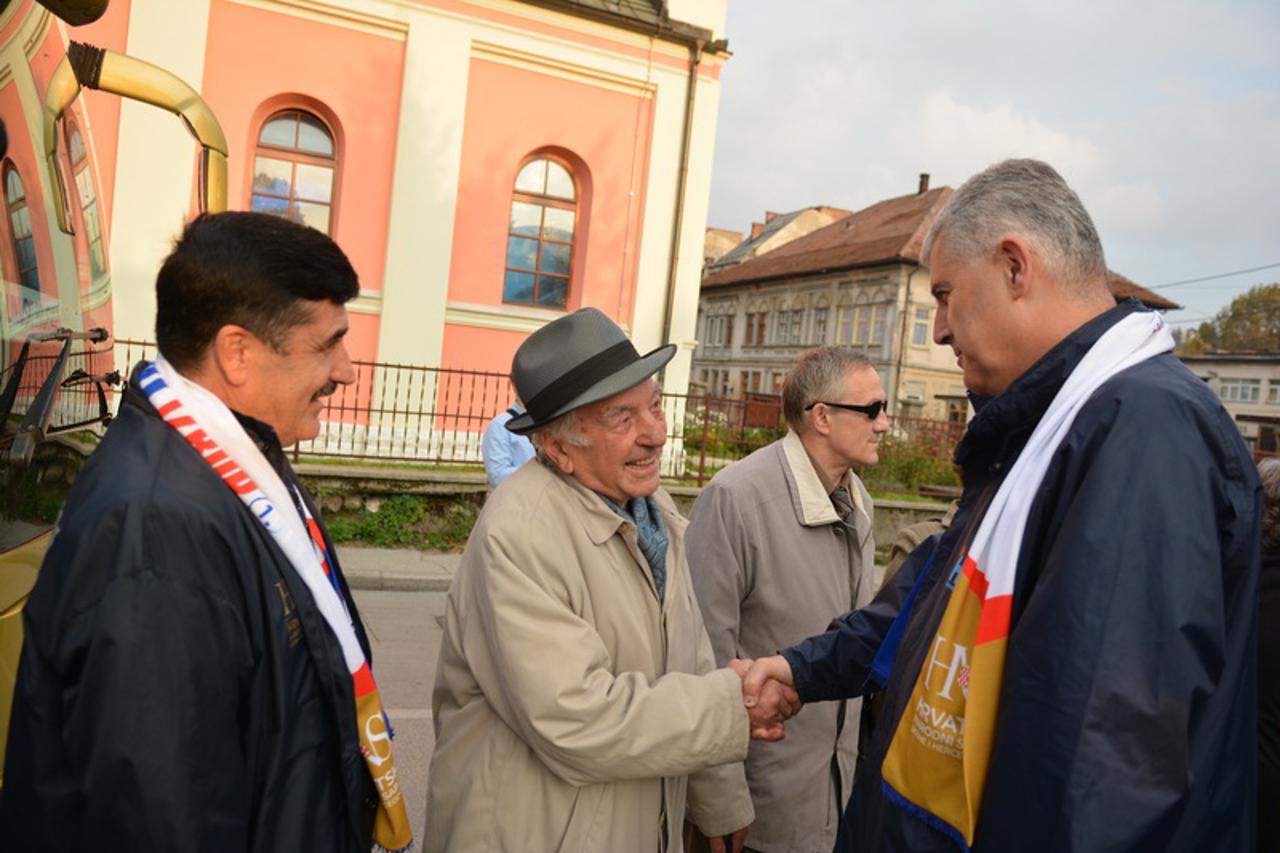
{"x":248,"y":269}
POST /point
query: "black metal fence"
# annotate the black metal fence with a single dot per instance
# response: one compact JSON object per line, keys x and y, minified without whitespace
{"x":405,"y":413}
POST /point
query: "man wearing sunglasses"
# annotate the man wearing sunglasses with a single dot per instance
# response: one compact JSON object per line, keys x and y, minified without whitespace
{"x":779,"y":544}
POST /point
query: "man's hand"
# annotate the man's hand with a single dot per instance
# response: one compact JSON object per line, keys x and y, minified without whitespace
{"x":770,"y":701}
{"x":738,"y":839}
{"x":762,"y":670}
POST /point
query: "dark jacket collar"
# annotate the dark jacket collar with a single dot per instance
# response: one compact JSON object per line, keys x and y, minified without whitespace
{"x":1017,"y":410}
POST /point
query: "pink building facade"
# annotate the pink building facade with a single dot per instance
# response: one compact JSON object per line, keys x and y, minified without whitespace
{"x":488,"y":165}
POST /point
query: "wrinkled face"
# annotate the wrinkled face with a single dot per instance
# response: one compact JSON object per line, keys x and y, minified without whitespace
{"x":974,"y":318}
{"x":854,"y":437}
{"x":625,"y":434}
{"x":288,"y":386}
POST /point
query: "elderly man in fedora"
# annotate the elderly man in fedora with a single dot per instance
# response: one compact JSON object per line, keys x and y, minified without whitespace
{"x":577,"y":704}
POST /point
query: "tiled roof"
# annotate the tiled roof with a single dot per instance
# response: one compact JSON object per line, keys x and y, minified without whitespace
{"x":888,"y":231}
{"x":744,"y":250}
{"x":1123,"y":288}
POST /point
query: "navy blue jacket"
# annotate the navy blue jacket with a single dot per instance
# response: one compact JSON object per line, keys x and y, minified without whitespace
{"x":1128,"y":709}
{"x":178,"y":689}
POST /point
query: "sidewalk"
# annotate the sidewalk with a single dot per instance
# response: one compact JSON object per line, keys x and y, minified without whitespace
{"x":397,"y":568}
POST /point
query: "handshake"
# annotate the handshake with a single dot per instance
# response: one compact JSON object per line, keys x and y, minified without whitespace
{"x":769,"y":695}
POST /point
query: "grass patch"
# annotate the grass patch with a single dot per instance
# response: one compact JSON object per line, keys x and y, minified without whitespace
{"x":425,"y":522}
{"x":350,"y":462}
{"x":27,"y":498}
{"x":911,"y":497}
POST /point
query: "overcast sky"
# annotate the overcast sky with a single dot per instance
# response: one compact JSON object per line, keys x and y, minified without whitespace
{"x":1164,"y":117}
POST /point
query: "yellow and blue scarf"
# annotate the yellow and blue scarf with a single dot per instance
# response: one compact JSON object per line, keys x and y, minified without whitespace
{"x":937,"y":763}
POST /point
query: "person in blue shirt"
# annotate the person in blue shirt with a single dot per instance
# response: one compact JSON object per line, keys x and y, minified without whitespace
{"x":504,"y":451}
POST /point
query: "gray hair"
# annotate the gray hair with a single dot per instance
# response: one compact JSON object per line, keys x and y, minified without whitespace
{"x":819,"y":375}
{"x":1269,"y":471}
{"x":564,"y":429}
{"x":1030,"y":198}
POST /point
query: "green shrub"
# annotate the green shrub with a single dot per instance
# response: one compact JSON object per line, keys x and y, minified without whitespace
{"x":913,"y":457}
{"x":425,"y":522}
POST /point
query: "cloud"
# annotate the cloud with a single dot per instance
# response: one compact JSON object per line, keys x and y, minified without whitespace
{"x":959,"y":138}
{"x":1164,"y":116}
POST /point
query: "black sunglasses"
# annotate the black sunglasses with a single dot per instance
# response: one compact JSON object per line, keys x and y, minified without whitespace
{"x":871,"y":410}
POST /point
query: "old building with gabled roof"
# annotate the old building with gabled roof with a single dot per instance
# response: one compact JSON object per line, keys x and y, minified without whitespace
{"x":858,"y":281}
{"x":777,"y":230}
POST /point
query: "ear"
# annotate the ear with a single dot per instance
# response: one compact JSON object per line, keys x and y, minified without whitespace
{"x":233,"y":353}
{"x":1015,"y":257}
{"x":554,"y":450}
{"x":820,"y":420}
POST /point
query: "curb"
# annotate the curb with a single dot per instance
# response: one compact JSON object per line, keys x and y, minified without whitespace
{"x":396,"y":582}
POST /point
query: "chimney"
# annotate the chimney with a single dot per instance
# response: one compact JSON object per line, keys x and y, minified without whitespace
{"x":924,"y":183}
{"x":757,"y":228}
{"x":769,"y":216}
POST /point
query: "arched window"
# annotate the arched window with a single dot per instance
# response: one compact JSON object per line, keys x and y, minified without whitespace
{"x":88,"y":201}
{"x":24,"y":244}
{"x":544,"y":211}
{"x":293,"y":169}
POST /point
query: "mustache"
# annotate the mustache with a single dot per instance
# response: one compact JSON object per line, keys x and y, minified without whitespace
{"x":327,"y":390}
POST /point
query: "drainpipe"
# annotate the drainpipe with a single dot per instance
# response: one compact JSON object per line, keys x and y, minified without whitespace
{"x":695,"y":59}
{"x":902,"y":346}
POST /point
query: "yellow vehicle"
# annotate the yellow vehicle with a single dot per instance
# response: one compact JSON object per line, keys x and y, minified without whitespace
{"x":57,"y":370}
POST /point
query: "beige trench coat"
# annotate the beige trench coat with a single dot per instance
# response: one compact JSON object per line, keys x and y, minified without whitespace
{"x":572,"y":711}
{"x":772,"y":565}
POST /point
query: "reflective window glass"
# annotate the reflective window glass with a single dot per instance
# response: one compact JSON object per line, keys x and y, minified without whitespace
{"x":88,"y":197}
{"x":522,"y":253}
{"x":540,"y":236}
{"x":313,"y":136}
{"x":525,"y":218}
{"x":293,"y":172}
{"x":553,"y":291}
{"x":533,"y":178}
{"x":272,"y":175}
{"x":281,"y":130}
{"x":24,"y":244}
{"x":314,"y":183}
{"x":559,"y":183}
{"x":518,"y":287}
{"x":558,"y":224}
{"x":555,"y":258}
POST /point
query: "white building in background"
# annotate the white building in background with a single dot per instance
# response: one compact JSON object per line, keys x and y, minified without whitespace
{"x":1249,"y":386}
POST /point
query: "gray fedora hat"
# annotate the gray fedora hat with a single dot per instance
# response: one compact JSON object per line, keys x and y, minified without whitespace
{"x":579,"y":359}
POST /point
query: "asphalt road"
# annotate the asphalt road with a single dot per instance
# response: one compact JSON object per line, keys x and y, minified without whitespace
{"x":405,"y":630}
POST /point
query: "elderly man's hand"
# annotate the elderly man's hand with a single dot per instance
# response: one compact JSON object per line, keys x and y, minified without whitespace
{"x":770,"y":701}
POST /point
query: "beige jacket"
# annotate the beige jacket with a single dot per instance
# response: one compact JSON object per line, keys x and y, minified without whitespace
{"x":773,"y":565}
{"x":572,"y":711}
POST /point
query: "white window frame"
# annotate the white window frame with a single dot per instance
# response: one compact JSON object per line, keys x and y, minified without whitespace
{"x":1235,"y":390}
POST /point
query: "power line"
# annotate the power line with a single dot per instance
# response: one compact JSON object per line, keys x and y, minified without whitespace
{"x":1213,"y":277}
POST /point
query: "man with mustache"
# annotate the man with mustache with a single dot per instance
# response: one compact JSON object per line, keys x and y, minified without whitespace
{"x":195,"y":674}
{"x":577,"y":704}
{"x":780,"y":544}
